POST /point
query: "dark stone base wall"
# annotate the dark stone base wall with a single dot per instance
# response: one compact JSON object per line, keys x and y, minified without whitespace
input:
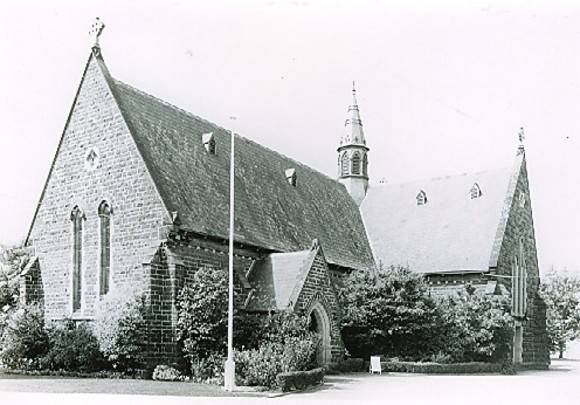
{"x":171,"y":270}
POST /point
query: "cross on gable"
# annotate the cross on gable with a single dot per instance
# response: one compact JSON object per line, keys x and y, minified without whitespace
{"x":521,"y":135}
{"x":96,"y":30}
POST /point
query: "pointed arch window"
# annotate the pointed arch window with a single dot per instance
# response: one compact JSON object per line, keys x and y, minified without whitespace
{"x":77,"y":218}
{"x":519,"y":280}
{"x":356,"y":163}
{"x":475,"y":191}
{"x":421,"y":198}
{"x":105,"y":212}
{"x":343,"y":164}
{"x":365,"y":165}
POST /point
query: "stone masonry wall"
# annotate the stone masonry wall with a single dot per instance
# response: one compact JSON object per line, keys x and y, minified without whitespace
{"x":172,"y":269}
{"x":31,"y":289}
{"x":318,"y":287}
{"x":120,"y":177}
{"x":520,"y":224}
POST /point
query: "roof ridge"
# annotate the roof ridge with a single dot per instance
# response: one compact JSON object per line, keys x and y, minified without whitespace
{"x":197,"y":117}
{"x":443,"y":177}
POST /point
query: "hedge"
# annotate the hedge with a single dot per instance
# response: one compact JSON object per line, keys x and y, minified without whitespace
{"x":300,"y":379}
{"x":439,"y":368}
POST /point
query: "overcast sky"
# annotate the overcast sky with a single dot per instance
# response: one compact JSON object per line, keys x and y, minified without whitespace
{"x":441,"y":90}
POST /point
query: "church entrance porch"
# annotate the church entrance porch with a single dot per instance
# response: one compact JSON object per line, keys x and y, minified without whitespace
{"x":320,"y":324}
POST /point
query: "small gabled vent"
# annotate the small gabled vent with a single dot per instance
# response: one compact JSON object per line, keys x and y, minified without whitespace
{"x":291,"y":176}
{"x":209,"y":142}
{"x":421,"y":198}
{"x":475,"y":191}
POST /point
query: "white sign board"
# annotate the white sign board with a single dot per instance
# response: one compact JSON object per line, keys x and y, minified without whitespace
{"x":375,"y":365}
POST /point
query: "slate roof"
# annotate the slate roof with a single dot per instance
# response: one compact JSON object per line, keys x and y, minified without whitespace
{"x":275,"y":278}
{"x":270,"y":213}
{"x":452,"y":232}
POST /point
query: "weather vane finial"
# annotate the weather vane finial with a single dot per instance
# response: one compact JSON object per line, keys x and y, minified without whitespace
{"x":353,"y":88}
{"x":95,"y":32}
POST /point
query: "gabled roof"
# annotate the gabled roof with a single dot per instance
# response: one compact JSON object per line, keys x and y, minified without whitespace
{"x":450,"y":232}
{"x":276,"y":277}
{"x":269,"y":212}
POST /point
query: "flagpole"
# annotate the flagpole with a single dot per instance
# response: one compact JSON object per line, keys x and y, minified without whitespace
{"x":230,"y":367}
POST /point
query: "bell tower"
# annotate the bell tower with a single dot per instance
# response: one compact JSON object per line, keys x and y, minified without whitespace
{"x":352,"y":154}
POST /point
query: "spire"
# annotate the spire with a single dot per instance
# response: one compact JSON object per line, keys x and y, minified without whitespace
{"x":521,"y":139}
{"x":95,"y":32}
{"x":353,"y":134}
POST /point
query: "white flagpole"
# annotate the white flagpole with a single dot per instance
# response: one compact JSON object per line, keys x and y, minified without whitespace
{"x":230,"y":368}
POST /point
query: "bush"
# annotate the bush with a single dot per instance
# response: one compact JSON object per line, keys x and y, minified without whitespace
{"x":202,"y":314}
{"x":25,"y":340}
{"x":476,"y":327}
{"x":121,"y":330}
{"x":166,"y":373}
{"x":437,"y":368}
{"x":73,"y":348}
{"x":287,"y":345}
{"x":299,"y":379}
{"x":388,"y":312}
{"x":209,"y":370}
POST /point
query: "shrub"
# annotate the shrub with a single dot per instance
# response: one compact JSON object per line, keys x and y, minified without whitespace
{"x":25,"y":340}
{"x":287,"y":345}
{"x":166,"y":373}
{"x":73,"y":347}
{"x":437,"y":368}
{"x":202,"y":309}
{"x":299,"y":379}
{"x":209,"y":370}
{"x":388,"y":312}
{"x":202,"y":314}
{"x":477,"y":327}
{"x":121,"y":330}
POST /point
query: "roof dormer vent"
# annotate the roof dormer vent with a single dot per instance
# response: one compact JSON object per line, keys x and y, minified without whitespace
{"x":291,"y":176}
{"x":421,"y":198}
{"x":209,"y":142}
{"x":475,"y":191}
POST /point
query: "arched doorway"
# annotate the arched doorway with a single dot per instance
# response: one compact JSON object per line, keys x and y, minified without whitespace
{"x":320,"y":324}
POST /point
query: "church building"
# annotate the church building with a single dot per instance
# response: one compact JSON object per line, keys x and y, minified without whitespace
{"x":137,"y":198}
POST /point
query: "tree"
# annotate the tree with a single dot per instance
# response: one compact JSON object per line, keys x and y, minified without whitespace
{"x":388,"y":312}
{"x":561,"y":292}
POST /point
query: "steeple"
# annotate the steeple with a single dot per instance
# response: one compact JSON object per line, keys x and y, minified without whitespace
{"x":353,"y":134}
{"x":352,"y":153}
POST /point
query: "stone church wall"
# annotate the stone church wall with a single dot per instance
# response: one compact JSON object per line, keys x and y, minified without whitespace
{"x":520,"y":224}
{"x":318,"y":287}
{"x":120,"y":177}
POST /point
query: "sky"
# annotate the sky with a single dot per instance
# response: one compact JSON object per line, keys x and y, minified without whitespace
{"x":442,"y":89}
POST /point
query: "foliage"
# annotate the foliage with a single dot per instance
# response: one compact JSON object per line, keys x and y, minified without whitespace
{"x":202,"y":309}
{"x":121,"y":329}
{"x":561,"y":292}
{"x":299,"y":379}
{"x":166,"y":373}
{"x":73,"y":348}
{"x":12,"y":259}
{"x":287,"y":345}
{"x":209,"y":370}
{"x":439,"y":368}
{"x":25,"y":340}
{"x":388,"y":312}
{"x":202,"y":315}
{"x":476,"y":327}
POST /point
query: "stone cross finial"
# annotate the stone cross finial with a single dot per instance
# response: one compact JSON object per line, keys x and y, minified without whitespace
{"x":95,"y":32}
{"x":521,"y":135}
